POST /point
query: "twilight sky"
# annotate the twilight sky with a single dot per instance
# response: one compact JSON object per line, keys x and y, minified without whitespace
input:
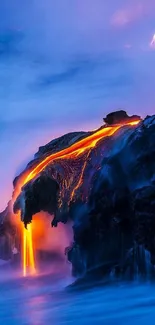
{"x":66,"y":64}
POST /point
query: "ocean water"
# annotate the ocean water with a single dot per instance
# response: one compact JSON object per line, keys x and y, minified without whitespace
{"x":44,"y":300}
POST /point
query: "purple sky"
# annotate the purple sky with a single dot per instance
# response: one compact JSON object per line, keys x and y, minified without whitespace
{"x":66,"y":64}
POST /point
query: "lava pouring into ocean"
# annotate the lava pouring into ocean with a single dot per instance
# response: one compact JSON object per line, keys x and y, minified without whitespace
{"x":73,"y":151}
{"x":28,"y":251}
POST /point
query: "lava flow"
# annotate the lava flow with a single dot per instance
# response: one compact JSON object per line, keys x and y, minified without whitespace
{"x":72,"y":151}
{"x":28,"y":251}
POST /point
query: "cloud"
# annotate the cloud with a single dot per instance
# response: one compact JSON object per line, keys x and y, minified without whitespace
{"x":56,"y":57}
{"x":47,"y":92}
{"x":120,"y":18}
{"x":9,"y":43}
{"x":64,"y":65}
{"x":68,"y":72}
{"x":50,"y":80}
{"x":106,"y":68}
{"x":152,"y":43}
{"x":131,"y":12}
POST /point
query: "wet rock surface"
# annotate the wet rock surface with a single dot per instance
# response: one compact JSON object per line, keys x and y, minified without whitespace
{"x":112,"y":209}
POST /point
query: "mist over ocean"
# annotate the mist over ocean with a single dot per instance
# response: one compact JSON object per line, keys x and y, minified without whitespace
{"x":45,"y":299}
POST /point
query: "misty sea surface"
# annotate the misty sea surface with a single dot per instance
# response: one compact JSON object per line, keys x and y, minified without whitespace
{"x":44,"y":300}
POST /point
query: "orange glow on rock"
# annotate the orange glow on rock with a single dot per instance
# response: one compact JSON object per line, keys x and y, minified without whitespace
{"x":72,"y":151}
{"x":80,"y":178}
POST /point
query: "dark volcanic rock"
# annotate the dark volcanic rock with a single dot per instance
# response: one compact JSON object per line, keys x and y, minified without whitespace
{"x":61,"y":143}
{"x":112,"y":209}
{"x":41,"y":195}
{"x":118,"y":117}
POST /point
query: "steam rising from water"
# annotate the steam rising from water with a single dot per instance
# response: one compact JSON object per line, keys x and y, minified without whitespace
{"x":44,"y":301}
{"x":50,"y":243}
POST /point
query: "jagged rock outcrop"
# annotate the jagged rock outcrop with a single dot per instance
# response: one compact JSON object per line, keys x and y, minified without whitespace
{"x":119,"y":117}
{"x":42,"y":195}
{"x":107,"y":191}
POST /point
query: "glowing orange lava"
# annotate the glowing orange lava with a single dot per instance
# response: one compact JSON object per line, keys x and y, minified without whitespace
{"x":72,"y":151}
{"x":80,"y":178}
{"x":28,"y":251}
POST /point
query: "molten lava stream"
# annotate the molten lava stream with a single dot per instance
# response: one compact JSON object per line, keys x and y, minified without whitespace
{"x":72,"y":151}
{"x":28,"y":252}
